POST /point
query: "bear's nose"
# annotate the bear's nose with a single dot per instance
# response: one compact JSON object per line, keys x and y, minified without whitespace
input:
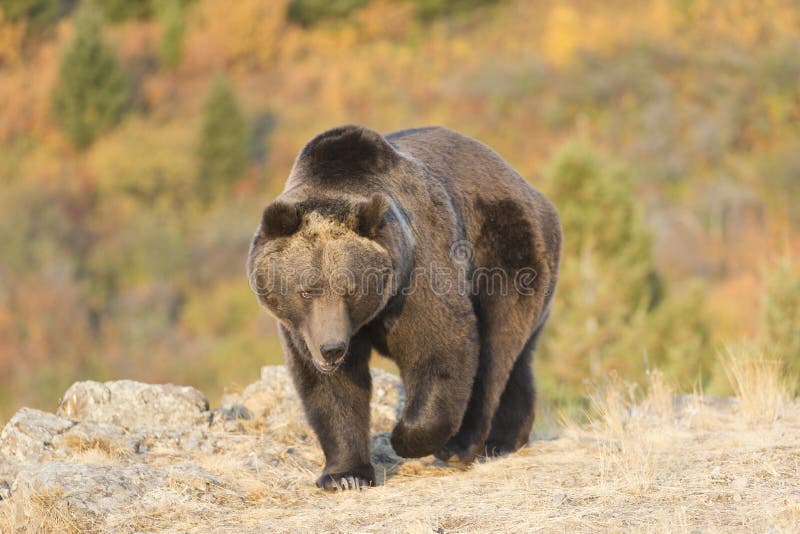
{"x":333,"y":351}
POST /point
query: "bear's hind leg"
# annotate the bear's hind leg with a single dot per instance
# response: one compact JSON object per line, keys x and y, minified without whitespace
{"x":501,"y":371}
{"x":513,"y":420}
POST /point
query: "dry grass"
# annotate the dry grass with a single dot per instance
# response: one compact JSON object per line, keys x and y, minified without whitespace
{"x":46,"y":512}
{"x":760,"y":384}
{"x":94,"y":450}
{"x":621,"y":423}
{"x":647,"y":461}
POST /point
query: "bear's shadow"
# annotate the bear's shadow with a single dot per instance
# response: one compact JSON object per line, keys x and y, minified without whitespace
{"x":388,"y":464}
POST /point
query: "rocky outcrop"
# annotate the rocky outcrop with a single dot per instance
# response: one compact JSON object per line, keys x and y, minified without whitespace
{"x":130,"y":404}
{"x":114,"y":445}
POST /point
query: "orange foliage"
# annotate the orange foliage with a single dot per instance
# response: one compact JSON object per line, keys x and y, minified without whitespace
{"x":25,"y":94}
{"x":12,"y":36}
{"x":241,"y":35}
{"x":515,"y":76}
{"x":385,"y":19}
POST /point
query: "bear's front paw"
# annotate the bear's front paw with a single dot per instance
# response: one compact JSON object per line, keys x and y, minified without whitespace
{"x":455,"y":453}
{"x":346,"y":480}
{"x":416,"y":441}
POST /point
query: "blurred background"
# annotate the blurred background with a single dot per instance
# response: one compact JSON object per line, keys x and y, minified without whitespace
{"x":140,"y":140}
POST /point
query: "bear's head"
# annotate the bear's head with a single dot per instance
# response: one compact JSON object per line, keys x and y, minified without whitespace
{"x":320,"y":266}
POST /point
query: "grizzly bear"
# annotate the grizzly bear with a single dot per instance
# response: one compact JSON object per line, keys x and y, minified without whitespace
{"x":426,"y":246}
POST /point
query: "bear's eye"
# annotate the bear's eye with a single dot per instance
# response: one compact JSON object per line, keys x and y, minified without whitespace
{"x":306,"y":294}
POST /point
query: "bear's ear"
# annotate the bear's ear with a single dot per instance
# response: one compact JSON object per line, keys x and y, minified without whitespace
{"x":370,"y":214}
{"x":279,"y":220}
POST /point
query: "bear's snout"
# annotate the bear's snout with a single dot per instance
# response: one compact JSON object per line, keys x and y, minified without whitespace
{"x":333,"y":351}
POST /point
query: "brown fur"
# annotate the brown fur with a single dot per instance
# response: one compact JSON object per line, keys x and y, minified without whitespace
{"x":400,"y":207}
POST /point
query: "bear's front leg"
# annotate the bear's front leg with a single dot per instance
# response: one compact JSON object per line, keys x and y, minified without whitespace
{"x":438,"y":380}
{"x":337,"y":407}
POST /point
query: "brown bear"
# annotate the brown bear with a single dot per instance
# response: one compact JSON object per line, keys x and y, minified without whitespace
{"x":426,"y":246}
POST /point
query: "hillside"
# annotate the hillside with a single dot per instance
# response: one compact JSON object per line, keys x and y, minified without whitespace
{"x":664,"y":131}
{"x":128,"y":457}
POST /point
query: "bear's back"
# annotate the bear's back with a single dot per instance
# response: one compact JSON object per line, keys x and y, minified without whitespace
{"x":452,"y":188}
{"x":491,"y":199}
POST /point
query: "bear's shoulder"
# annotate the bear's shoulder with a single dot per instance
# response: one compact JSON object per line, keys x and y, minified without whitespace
{"x":350,"y":150}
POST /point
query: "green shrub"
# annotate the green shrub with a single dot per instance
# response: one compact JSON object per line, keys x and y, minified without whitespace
{"x":430,"y":9}
{"x":38,"y":14}
{"x":172,"y":28}
{"x":122,"y":10}
{"x":611,"y":311}
{"x":310,"y":12}
{"x":224,"y":142}
{"x":93,"y":92}
{"x":780,"y":319}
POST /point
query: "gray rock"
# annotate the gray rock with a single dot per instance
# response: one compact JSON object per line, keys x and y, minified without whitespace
{"x":92,"y":489}
{"x":388,"y":398}
{"x":274,"y":396}
{"x":221,"y":416}
{"x":119,"y":447}
{"x":132,"y":404}
{"x":92,"y":493}
{"x":31,"y":434}
{"x":273,"y":393}
{"x":107,"y":437}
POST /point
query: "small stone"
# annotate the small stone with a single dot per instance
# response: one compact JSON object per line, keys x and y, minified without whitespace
{"x":5,"y":490}
{"x":232,"y":413}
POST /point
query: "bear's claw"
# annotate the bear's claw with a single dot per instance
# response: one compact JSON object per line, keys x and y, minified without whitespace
{"x":343,"y":482}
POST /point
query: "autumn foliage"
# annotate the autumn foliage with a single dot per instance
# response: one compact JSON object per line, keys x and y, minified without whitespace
{"x":140,"y":140}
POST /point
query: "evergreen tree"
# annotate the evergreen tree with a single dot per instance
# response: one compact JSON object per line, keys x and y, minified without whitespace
{"x":780,"y":315}
{"x":169,"y":46}
{"x":38,"y":14}
{"x":93,"y":92}
{"x":610,"y":313}
{"x":430,"y":9}
{"x":310,"y":12}
{"x":224,"y":142}
{"x":122,"y":10}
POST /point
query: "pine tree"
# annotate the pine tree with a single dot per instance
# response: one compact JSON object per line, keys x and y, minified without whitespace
{"x":780,"y":315}
{"x":223,"y":144}
{"x":611,"y":311}
{"x":93,"y":92}
{"x":38,"y":14}
{"x":310,"y":12}
{"x":122,"y":10}
{"x":169,"y":46}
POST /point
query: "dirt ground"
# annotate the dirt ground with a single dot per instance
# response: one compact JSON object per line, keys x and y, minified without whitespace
{"x":647,"y":461}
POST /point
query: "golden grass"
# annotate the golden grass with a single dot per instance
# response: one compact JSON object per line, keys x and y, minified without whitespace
{"x":760,"y":384}
{"x":101,"y":450}
{"x":45,"y":512}
{"x":647,"y":461}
